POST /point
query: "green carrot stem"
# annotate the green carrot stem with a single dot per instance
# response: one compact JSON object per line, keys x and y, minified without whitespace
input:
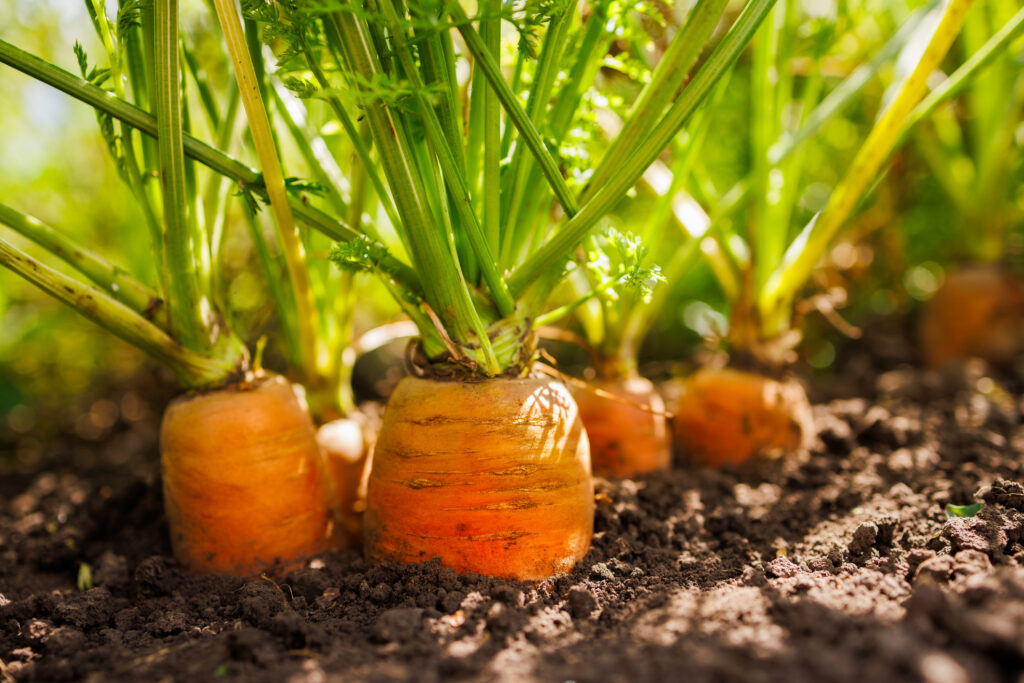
{"x":805,"y":252}
{"x":446,"y":291}
{"x":130,"y":169}
{"x":179,"y":262}
{"x":193,"y":369}
{"x":263,"y":140}
{"x":360,"y":146}
{"x":548,"y":64}
{"x":665,"y":82}
{"x":212,"y":158}
{"x":115,"y":281}
{"x":320,"y":163}
{"x":724,"y":56}
{"x":514,"y":110}
{"x":452,"y":173}
{"x":960,"y":78}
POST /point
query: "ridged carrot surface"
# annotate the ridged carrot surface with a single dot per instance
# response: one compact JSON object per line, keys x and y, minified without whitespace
{"x":491,"y":477}
{"x":729,"y":416}
{"x":242,"y":481}
{"x":625,"y":439}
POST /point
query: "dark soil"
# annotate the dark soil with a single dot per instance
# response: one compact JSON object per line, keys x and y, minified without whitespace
{"x":839,"y":564}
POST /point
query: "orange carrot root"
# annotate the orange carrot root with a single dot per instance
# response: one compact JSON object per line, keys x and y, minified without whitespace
{"x":625,"y":440}
{"x":243,"y":487}
{"x":346,"y":451}
{"x":977,"y":312}
{"x":729,"y":416}
{"x":491,"y":477}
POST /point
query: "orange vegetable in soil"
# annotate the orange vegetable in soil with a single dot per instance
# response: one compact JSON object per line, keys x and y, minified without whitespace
{"x":978,"y":311}
{"x":243,"y":487}
{"x":346,"y":451}
{"x":491,"y":477}
{"x":625,"y":439}
{"x":729,"y":416}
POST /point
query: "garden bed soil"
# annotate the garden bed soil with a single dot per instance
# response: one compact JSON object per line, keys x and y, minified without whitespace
{"x":836,"y":565}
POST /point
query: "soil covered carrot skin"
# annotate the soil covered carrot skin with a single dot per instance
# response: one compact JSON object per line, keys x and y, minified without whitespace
{"x":347,"y":454}
{"x":730,"y":416}
{"x":977,"y":312}
{"x":492,"y":477}
{"x":625,"y":439}
{"x":243,"y":485}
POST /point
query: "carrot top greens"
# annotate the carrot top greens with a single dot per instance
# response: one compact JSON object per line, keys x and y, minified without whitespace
{"x":468,"y":171}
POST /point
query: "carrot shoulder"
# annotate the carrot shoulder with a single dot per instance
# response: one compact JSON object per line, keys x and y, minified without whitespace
{"x":491,"y":477}
{"x":242,"y":482}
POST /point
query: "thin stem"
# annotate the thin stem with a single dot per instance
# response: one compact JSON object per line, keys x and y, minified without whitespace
{"x":263,"y":140}
{"x":115,"y":281}
{"x":446,"y":290}
{"x":513,"y":109}
{"x":668,"y":77}
{"x":491,"y":33}
{"x":805,"y":252}
{"x":452,"y":174}
{"x":724,"y":56}
{"x":193,"y":369}
{"x":960,"y":78}
{"x":212,"y":158}
{"x":179,"y":263}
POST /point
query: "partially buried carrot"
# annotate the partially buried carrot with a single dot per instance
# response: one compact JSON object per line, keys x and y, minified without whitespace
{"x":490,"y":476}
{"x":977,"y":312}
{"x":730,"y":416}
{"x":242,"y":482}
{"x":628,"y":436}
{"x":347,"y":451}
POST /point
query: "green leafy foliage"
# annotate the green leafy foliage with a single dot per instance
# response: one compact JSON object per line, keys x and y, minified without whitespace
{"x":361,"y":255}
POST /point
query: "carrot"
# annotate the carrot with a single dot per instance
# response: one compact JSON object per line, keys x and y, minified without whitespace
{"x":625,"y":439}
{"x":729,"y":416}
{"x":490,"y":476}
{"x":243,"y":488}
{"x":978,"y":311}
{"x":347,"y":446}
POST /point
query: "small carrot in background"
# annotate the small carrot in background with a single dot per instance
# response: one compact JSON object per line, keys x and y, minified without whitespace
{"x":731,"y":415}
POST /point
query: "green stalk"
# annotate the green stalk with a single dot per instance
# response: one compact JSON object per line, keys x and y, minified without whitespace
{"x":843,"y":94}
{"x":318,"y":163}
{"x":446,"y":290}
{"x":805,"y":252}
{"x":544,"y":75}
{"x":557,"y":248}
{"x":960,"y":78}
{"x":130,"y":169}
{"x":665,"y":82}
{"x":193,"y":369}
{"x":361,"y":148}
{"x":452,"y":173}
{"x":513,"y":109}
{"x":212,"y":158}
{"x":116,"y":282}
{"x":178,"y":264}
{"x":491,"y":33}
{"x":263,"y":140}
